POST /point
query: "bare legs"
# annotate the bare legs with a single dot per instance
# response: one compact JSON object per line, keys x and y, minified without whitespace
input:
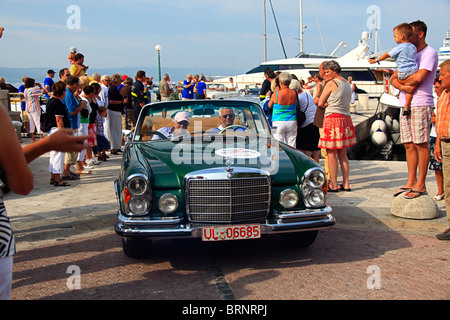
{"x":335,"y":156}
{"x":417,"y":158}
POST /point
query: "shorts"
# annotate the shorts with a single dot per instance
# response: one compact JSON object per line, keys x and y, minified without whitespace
{"x":434,"y":164}
{"x":415,"y":128}
{"x":286,"y":132}
{"x":56,"y":160}
{"x":102,"y":143}
{"x":93,"y":133}
{"x":71,"y":157}
{"x":34,"y":121}
{"x":6,"y":270}
{"x":308,"y":138}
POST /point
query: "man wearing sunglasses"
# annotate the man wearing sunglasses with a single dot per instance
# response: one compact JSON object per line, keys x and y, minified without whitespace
{"x":227,"y":116}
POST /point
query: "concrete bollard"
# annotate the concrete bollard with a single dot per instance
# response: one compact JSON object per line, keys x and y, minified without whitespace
{"x":420,"y":208}
{"x":18,"y":127}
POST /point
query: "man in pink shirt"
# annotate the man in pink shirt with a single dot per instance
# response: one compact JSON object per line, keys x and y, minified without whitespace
{"x":415,"y":128}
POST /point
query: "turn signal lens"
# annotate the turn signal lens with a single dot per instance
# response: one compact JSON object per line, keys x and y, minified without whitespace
{"x":126,"y":195}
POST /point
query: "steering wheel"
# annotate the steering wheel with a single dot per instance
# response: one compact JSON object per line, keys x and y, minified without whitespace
{"x":233,"y":126}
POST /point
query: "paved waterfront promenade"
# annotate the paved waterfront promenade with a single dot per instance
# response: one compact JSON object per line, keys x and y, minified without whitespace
{"x":50,"y":214}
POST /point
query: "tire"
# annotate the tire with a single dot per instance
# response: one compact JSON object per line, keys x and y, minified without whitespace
{"x":136,"y":248}
{"x":300,"y":239}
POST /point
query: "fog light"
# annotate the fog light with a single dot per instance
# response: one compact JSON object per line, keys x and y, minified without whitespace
{"x":316,"y":198}
{"x":288,"y":198}
{"x":168,"y":203}
{"x":138,"y":205}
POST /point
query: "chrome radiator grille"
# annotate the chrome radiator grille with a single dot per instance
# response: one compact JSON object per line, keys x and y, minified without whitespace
{"x":228,"y":200}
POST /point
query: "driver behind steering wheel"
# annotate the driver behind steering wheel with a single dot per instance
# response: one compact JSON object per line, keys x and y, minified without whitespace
{"x":227,"y":116}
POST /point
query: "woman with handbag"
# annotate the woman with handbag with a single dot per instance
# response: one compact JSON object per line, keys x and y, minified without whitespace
{"x":283,"y":104}
{"x":308,"y":133}
{"x":338,"y":132}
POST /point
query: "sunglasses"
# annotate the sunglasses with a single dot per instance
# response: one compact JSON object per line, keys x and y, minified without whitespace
{"x":228,"y":116}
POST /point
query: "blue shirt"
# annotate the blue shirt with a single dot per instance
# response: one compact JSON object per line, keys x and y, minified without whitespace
{"x":22,"y":90}
{"x":72,"y":104}
{"x":188,"y":93}
{"x":48,"y":82}
{"x":405,"y":57}
{"x":201,"y":87}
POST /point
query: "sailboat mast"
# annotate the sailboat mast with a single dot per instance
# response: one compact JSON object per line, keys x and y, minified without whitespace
{"x":301,"y":26}
{"x":265,"y":32}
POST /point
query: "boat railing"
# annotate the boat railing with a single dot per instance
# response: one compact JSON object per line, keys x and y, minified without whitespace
{"x":15,"y":101}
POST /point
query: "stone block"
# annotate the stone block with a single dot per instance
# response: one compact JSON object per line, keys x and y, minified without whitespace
{"x":420,"y":208}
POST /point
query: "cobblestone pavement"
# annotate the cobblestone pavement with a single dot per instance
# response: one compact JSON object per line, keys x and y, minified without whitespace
{"x":341,"y":264}
{"x":62,"y":231}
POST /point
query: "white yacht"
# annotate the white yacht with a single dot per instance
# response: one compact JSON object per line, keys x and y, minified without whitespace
{"x":366,"y":76}
{"x":444,"y":51}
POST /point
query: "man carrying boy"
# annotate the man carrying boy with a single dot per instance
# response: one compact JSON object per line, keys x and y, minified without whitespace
{"x":415,"y":129}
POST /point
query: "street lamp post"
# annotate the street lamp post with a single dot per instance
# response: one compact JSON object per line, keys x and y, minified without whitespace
{"x":158,"y":48}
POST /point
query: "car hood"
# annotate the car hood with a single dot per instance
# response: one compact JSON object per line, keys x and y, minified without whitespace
{"x":168,"y":162}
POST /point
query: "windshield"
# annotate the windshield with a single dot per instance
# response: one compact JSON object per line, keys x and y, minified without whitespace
{"x":189,"y":118}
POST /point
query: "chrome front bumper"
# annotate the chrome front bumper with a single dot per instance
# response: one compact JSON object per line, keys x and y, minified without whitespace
{"x":284,"y":221}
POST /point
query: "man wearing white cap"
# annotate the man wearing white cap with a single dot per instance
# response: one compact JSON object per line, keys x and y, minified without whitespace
{"x":179,"y":128}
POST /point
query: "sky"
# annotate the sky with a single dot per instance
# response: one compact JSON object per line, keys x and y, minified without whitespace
{"x":197,"y":34}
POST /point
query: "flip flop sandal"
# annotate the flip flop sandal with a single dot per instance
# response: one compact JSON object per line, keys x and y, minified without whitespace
{"x":401,"y":190}
{"x":341,"y":187}
{"x":70,"y":178}
{"x":85,"y":171}
{"x":333,"y":190}
{"x":439,"y":197}
{"x":73,"y":174}
{"x":61,"y":183}
{"x":418,"y":194}
{"x":52,"y":181}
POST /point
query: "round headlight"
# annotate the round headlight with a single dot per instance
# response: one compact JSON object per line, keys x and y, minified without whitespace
{"x":288,"y":198}
{"x":168,"y":203}
{"x":316,"y":179}
{"x":138,"y":205}
{"x":316,"y":197}
{"x":137,"y":185}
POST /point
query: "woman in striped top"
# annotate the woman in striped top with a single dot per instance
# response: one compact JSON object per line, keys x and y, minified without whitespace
{"x":32,"y":94}
{"x":16,"y":174}
{"x":284,"y":115}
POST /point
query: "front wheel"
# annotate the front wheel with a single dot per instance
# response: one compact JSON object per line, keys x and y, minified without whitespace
{"x":300,"y":239}
{"x":136,"y":248}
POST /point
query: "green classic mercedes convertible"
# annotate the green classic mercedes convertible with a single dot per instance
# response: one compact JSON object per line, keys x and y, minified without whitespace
{"x":211,"y":169}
